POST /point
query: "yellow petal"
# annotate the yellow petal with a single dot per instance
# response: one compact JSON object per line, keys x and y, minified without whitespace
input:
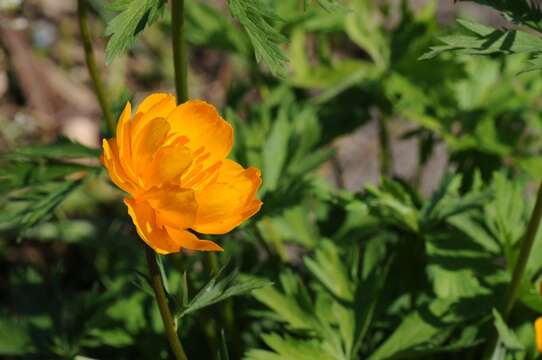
{"x":143,"y":217}
{"x":229,"y":201}
{"x":167,"y":165}
{"x":173,"y":206}
{"x":123,"y":132}
{"x":538,"y":332}
{"x":149,"y":139}
{"x":209,"y":136}
{"x":158,"y":105}
{"x":190,"y":241}
{"x":110,"y":159}
{"x":154,"y":99}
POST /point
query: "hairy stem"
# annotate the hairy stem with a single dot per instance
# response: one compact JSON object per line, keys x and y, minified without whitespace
{"x":161,"y":299}
{"x":92,"y":68}
{"x":179,"y":50}
{"x":512,"y":292}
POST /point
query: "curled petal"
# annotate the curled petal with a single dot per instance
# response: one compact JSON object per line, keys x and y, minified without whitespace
{"x":209,"y":136}
{"x":111,"y":160}
{"x":144,"y":219}
{"x":191,"y":242}
{"x":230,"y":200}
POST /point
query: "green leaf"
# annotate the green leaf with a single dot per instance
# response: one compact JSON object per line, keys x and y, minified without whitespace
{"x":290,"y":348}
{"x":328,"y":268}
{"x":483,"y":39}
{"x":454,"y":284}
{"x":286,"y":306}
{"x":14,"y":337}
{"x":416,"y":330}
{"x":62,"y":148}
{"x":509,"y":339}
{"x":39,"y":203}
{"x":519,"y":11}
{"x":363,"y":28}
{"x":222,"y":287}
{"x":18,"y":174}
{"x":257,"y":18}
{"x":124,"y":28}
{"x":275,"y":151}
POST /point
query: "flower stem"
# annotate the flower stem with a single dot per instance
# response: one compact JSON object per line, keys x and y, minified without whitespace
{"x":91,"y":66}
{"x":179,"y":50}
{"x":512,"y":292}
{"x":524,"y":252}
{"x":161,"y":299}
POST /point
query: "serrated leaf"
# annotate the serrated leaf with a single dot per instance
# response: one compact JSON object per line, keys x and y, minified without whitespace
{"x":256,"y":17}
{"x":483,"y":40}
{"x":222,"y":287}
{"x":40,"y":203}
{"x":415,"y":331}
{"x":327,"y":266}
{"x":290,"y":348}
{"x":124,"y":28}
{"x":509,"y":339}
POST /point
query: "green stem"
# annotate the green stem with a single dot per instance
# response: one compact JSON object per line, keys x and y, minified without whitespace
{"x":526,"y":247}
{"x":91,"y":66}
{"x":179,"y":50}
{"x":512,"y":292}
{"x":212,"y":261}
{"x":161,"y":299}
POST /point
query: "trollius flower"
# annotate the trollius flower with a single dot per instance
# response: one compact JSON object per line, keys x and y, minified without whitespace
{"x":172,"y":161}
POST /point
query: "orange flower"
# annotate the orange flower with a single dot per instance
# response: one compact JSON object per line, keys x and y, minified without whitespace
{"x":538,"y":332}
{"x":172,"y":161}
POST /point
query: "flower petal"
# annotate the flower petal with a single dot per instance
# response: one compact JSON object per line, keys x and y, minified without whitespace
{"x":148,"y":140}
{"x":123,"y":132}
{"x":209,"y":136}
{"x":158,"y":105}
{"x":229,"y":201}
{"x":173,"y":206}
{"x":143,"y":217}
{"x":154,"y":99}
{"x":191,"y":242}
{"x":167,"y":165}
{"x":110,"y":159}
